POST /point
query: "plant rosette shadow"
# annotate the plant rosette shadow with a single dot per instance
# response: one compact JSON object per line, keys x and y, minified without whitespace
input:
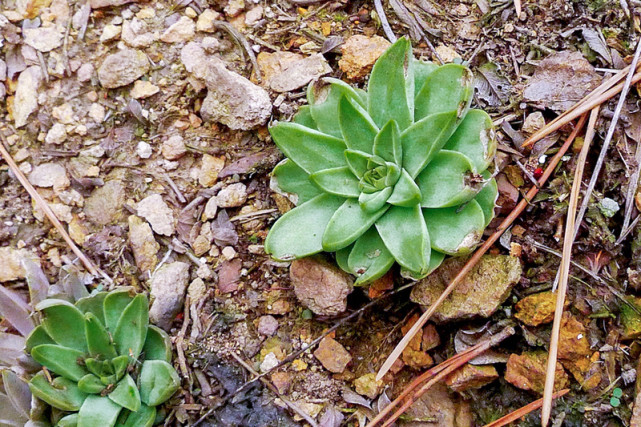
{"x":394,"y":174}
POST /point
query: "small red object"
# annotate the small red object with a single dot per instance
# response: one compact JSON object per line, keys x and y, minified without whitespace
{"x":538,"y":173}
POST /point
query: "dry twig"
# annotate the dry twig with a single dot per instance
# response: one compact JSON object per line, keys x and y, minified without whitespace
{"x":384,"y":22}
{"x":517,"y":6}
{"x":521,"y":412}
{"x":42,"y":204}
{"x":565,"y":268}
{"x":469,"y":265}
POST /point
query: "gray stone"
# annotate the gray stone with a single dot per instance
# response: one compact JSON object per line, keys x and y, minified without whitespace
{"x":179,"y":32}
{"x":154,"y":209}
{"x":49,"y":175}
{"x":173,"y":148}
{"x":143,"y":244}
{"x":85,"y":72}
{"x":105,"y":203}
{"x":123,"y":68}
{"x":231,"y":99}
{"x":168,"y":287}
{"x":44,"y":39}
{"x":136,"y":34}
{"x":320,"y":286}
{"x":267,"y":325}
{"x":300,"y":73}
{"x":232,"y":196}
{"x":11,"y":263}
{"x":25,"y":101}
{"x":57,"y":134}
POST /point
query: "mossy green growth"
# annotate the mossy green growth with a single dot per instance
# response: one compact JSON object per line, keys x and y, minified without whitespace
{"x":397,"y":173}
{"x":109,"y":366}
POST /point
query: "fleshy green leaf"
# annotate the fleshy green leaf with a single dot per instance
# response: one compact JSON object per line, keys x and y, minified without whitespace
{"x":93,"y":304}
{"x":406,"y":193}
{"x":487,"y":198}
{"x":369,"y":259}
{"x":357,"y":162}
{"x":324,"y":99}
{"x":119,"y":365}
{"x":157,"y":344}
{"x":98,"y":339}
{"x":357,"y":127}
{"x":38,"y":337}
{"x":387,"y":143}
{"x":474,"y":137}
{"x":59,"y":312}
{"x":299,"y":232}
{"x":61,"y":393}
{"x":338,"y":181}
{"x":391,"y":86}
{"x":61,"y":360}
{"x":436,"y":259}
{"x":98,"y":411}
{"x":114,"y":304}
{"x":158,"y":382}
{"x":342,"y":256}
{"x":404,"y":233}
{"x":126,"y":394}
{"x":372,"y":202}
{"x":131,"y":331}
{"x":304,"y":117}
{"x":311,"y":150}
{"x":424,"y":139}
{"x":143,"y":417}
{"x":91,"y":384}
{"x":347,"y":224}
{"x":289,"y":177}
{"x":70,"y":420}
{"x":449,"y":88}
{"x":455,"y":231}
{"x":422,"y":69}
{"x":449,"y":180}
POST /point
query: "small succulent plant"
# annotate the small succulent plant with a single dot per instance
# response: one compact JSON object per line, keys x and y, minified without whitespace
{"x":105,"y":363}
{"x":394,"y":174}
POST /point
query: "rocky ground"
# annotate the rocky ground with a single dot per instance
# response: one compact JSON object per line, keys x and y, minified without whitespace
{"x":144,"y":125}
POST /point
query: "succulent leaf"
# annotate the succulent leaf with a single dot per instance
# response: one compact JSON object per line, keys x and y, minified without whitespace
{"x":422,"y":70}
{"x":324,"y":98}
{"x":131,"y":331}
{"x":310,"y":149}
{"x":449,"y":88}
{"x":94,"y":304}
{"x":157,"y":344}
{"x":114,"y":304}
{"x":455,"y":231}
{"x":61,"y":360}
{"x":61,"y":393}
{"x":357,"y":127}
{"x":37,"y":337}
{"x":126,"y":394}
{"x":304,"y":117}
{"x":299,"y":232}
{"x":357,"y":161}
{"x":338,"y":181}
{"x":59,"y":312}
{"x":404,"y":233}
{"x":369,"y":259}
{"x":143,"y":417}
{"x":289,"y":177}
{"x":372,"y":202}
{"x":349,"y":221}
{"x":158,"y":382}
{"x":342,"y":257}
{"x":97,"y":411}
{"x":91,"y":384}
{"x":98,"y":339}
{"x":487,"y":197}
{"x":474,"y":137}
{"x":387,"y":143}
{"x":449,"y":180}
{"x":436,"y":259}
{"x":406,"y":193}
{"x":119,"y":365}
{"x":68,"y":421}
{"x":391,"y":86}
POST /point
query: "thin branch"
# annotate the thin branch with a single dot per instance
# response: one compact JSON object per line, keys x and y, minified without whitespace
{"x":629,"y":200}
{"x":242,"y":42}
{"x":517,"y":6}
{"x":565,"y":268}
{"x":384,"y":23}
{"x":42,"y":204}
{"x":469,"y":265}
{"x":521,"y":412}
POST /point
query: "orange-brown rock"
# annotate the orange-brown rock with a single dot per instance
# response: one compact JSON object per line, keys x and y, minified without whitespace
{"x":527,"y":372}
{"x":367,"y":385}
{"x":332,"y":355}
{"x":430,"y":338}
{"x":413,"y":356}
{"x":536,"y":309}
{"x":471,"y":377}
{"x":282,"y":381}
{"x":573,"y":340}
{"x":359,"y":55}
{"x":587,"y":372}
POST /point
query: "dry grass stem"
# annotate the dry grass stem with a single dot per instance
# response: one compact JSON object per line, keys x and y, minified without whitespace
{"x":565,"y":268}
{"x":517,"y":6}
{"x":42,"y":204}
{"x":480,"y":252}
{"x":521,"y":412}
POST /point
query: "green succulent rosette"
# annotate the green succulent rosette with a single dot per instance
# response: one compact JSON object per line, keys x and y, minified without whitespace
{"x":107,"y":365}
{"x":394,"y":174}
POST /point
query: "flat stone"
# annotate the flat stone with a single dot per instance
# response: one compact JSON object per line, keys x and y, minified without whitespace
{"x":136,"y":34}
{"x":320,"y":286}
{"x":471,"y":377}
{"x":43,"y":39}
{"x":123,"y":68}
{"x":49,"y":175}
{"x":440,"y":407}
{"x":287,"y":75}
{"x":229,"y":275}
{"x":332,"y":355}
{"x":110,"y":32}
{"x":209,"y":170}
{"x":270,"y":362}
{"x":104,"y":206}
{"x":11,"y":263}
{"x":573,"y":339}
{"x":85,"y":72}
{"x":96,"y":4}
{"x":25,"y":100}
{"x":367,"y":385}
{"x":57,"y":134}
{"x":206,"y":20}
{"x":537,"y":309}
{"x":359,"y":55}
{"x":154,"y":209}
{"x":282,"y":381}
{"x":481,"y":293}
{"x":211,"y":208}
{"x":232,"y":196}
{"x":168,"y":287}
{"x":231,"y":99}
{"x":143,"y":89}
{"x":533,"y":122}
{"x":527,"y":372}
{"x":173,"y":148}
{"x":267,"y":325}
{"x":144,"y":150}
{"x":179,"y":32}
{"x":63,"y":113}
{"x":143,"y":244}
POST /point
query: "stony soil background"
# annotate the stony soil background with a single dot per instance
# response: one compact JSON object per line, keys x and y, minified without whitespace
{"x":144,"y":125}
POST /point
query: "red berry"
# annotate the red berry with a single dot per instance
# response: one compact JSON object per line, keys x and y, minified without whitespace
{"x":538,"y":173}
